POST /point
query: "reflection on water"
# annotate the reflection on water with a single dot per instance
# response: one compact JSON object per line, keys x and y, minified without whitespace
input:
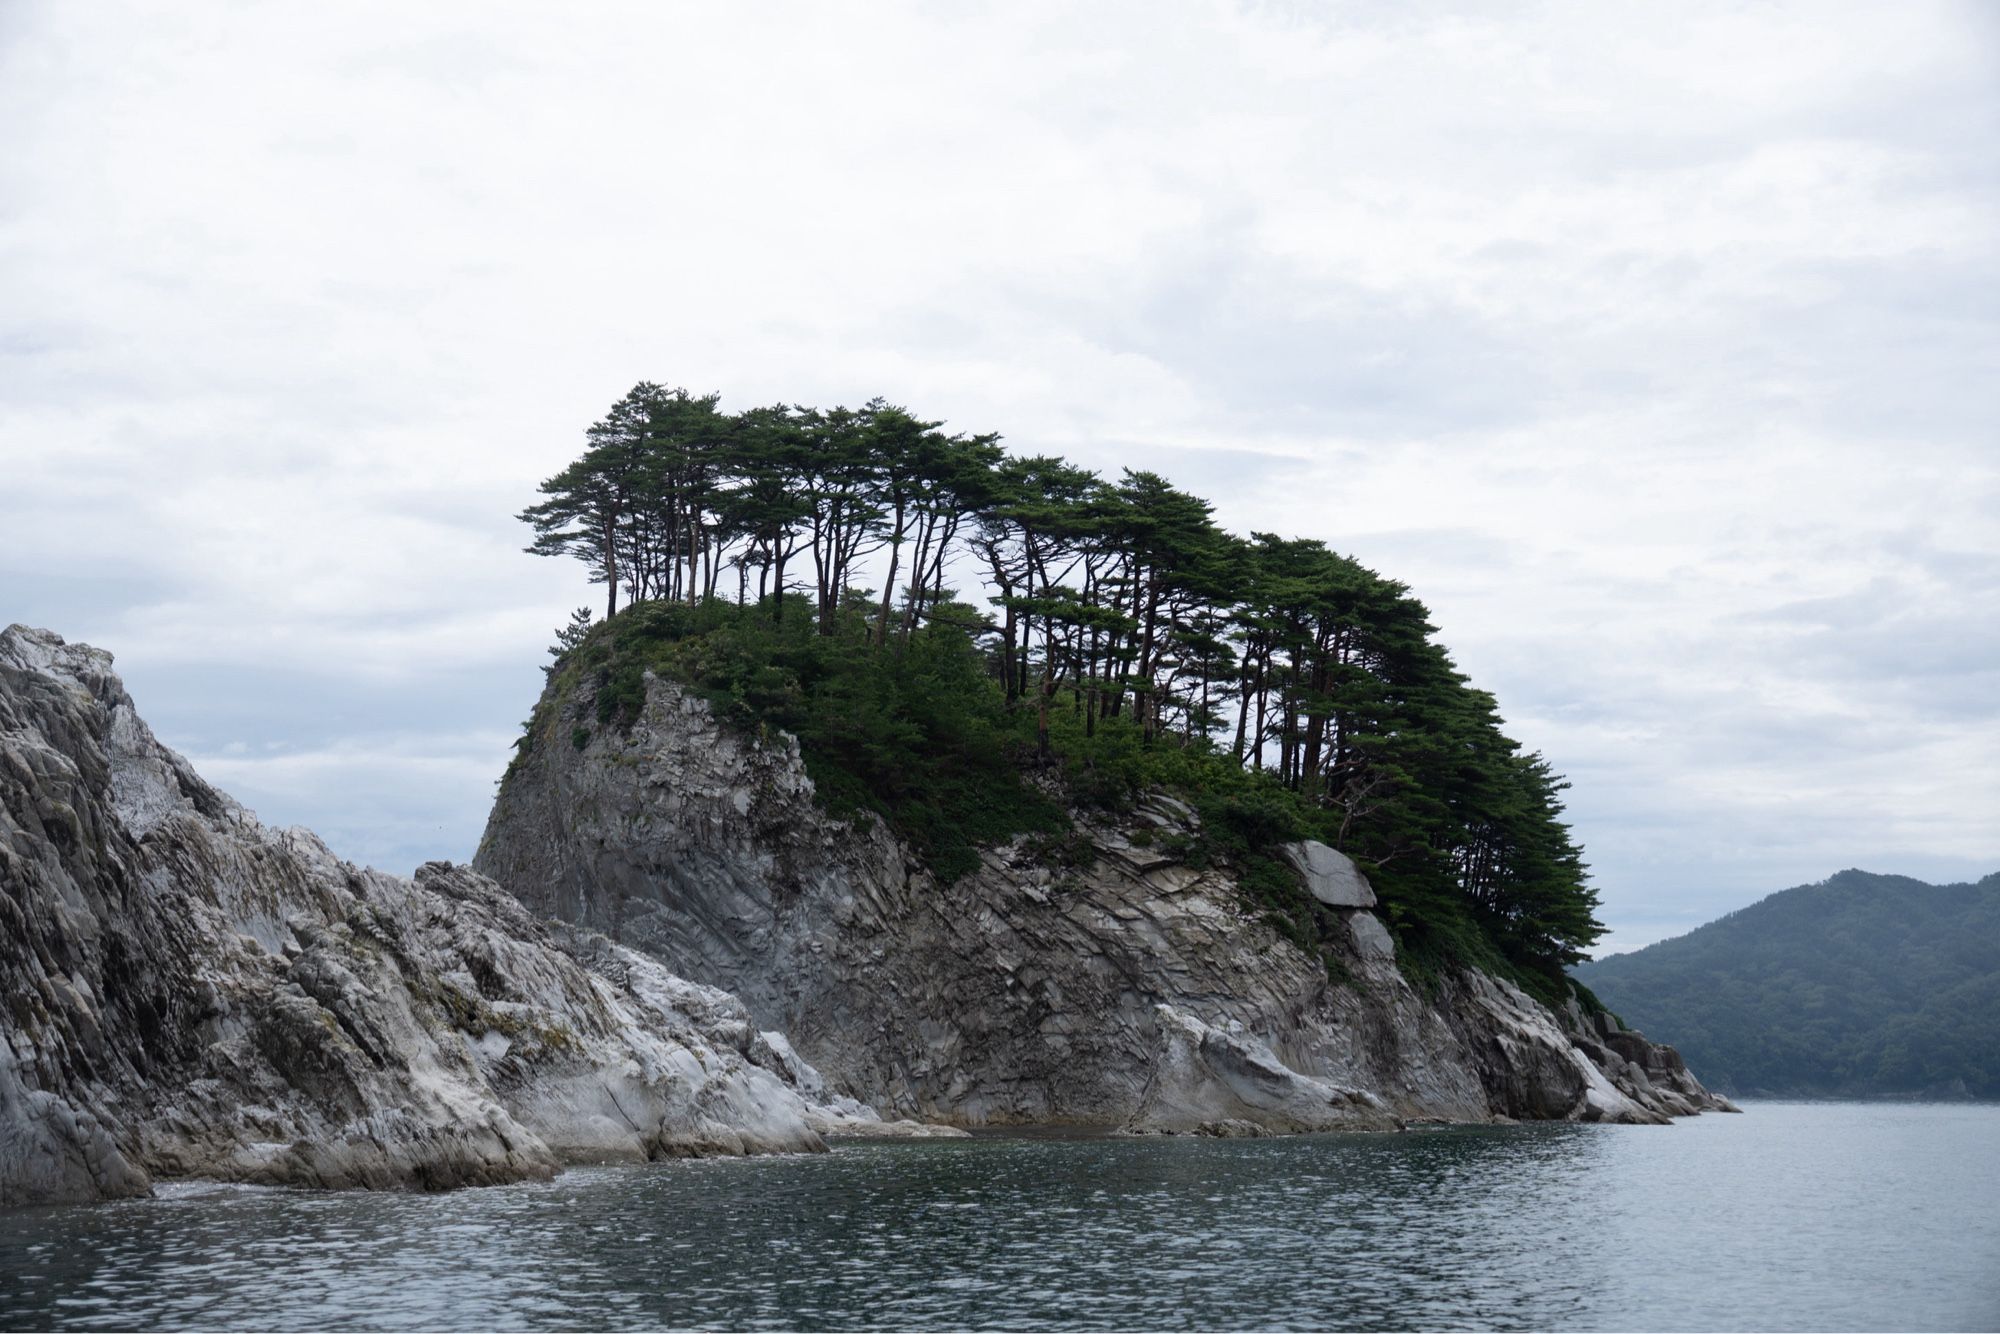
{"x":1792,"y":1216}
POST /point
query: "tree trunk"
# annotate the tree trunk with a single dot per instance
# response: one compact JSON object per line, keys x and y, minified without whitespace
{"x":778,"y":593}
{"x":889,"y":584}
{"x":1008,"y":682}
{"x":610,"y":568}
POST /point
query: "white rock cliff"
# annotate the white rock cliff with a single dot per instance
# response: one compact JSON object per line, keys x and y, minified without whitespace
{"x":190,"y":993}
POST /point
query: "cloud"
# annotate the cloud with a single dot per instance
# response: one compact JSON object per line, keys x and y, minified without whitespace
{"x":1653,"y":349}
{"x":384,"y":800}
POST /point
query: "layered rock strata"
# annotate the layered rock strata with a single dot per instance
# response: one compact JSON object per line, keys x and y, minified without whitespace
{"x":1105,"y":982}
{"x":186,"y":992}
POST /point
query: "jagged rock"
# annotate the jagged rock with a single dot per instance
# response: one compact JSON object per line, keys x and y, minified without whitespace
{"x":1330,"y":876}
{"x":1532,"y":1064}
{"x":1132,"y":991}
{"x":1655,"y":1065}
{"x":1203,"y":1076}
{"x":185,"y":992}
{"x":833,"y":1115}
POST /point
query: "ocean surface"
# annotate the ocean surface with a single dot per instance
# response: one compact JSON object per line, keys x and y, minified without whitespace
{"x":1791,"y":1216}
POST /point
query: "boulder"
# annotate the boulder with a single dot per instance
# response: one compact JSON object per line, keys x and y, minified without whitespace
{"x":1331,"y":876}
{"x":1371,"y":939}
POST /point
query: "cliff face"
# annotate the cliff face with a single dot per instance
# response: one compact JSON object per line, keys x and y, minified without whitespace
{"x":186,"y":992}
{"x":1108,"y":985}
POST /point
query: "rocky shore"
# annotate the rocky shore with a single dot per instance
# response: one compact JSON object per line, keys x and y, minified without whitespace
{"x":188,"y":993}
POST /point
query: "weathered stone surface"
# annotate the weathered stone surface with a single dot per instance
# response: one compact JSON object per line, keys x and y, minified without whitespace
{"x":1205,"y":1077}
{"x":1131,"y":991}
{"x":1652,"y":1065}
{"x":1371,"y":939}
{"x":1331,"y":876}
{"x":184,"y":991}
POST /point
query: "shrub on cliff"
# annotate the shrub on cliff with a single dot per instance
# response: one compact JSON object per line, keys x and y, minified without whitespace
{"x":919,"y":737}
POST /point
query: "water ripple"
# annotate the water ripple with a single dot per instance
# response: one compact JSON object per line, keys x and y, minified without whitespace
{"x":1793,"y":1216}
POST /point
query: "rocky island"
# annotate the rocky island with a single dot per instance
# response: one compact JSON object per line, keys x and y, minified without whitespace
{"x":1197,"y":834}
{"x":190,"y":993}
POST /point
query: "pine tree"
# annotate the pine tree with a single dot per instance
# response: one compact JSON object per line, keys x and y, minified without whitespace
{"x":569,"y":637}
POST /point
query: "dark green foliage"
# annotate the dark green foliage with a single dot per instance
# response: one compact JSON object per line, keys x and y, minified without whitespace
{"x":1243,"y":826}
{"x":1073,"y":850}
{"x":1863,"y":985}
{"x":921,"y":738}
{"x":568,"y":638}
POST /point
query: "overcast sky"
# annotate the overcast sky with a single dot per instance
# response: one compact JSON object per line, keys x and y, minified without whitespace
{"x":1656,"y":347}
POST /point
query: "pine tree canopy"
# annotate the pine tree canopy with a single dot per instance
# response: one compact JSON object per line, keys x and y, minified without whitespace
{"x":804,"y":568}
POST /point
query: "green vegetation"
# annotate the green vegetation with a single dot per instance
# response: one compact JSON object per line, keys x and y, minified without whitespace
{"x":920,"y":737}
{"x":1863,"y":985}
{"x":1131,"y":644}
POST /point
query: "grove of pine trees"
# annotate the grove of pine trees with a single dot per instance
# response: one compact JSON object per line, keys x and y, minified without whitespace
{"x":1118,"y":619}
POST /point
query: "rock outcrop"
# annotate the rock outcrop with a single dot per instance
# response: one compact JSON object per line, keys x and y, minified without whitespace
{"x":1100,"y":982}
{"x":1331,"y":877}
{"x":190,"y":993}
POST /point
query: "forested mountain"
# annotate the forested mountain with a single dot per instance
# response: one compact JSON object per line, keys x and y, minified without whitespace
{"x":1865,"y":984}
{"x":967,"y":640}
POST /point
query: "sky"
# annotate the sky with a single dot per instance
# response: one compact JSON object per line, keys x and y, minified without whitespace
{"x":1657,"y":348}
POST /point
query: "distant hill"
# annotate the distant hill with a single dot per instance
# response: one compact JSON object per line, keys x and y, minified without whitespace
{"x":1863,"y":985}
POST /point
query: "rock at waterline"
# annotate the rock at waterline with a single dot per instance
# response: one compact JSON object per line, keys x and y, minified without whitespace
{"x":191,"y":993}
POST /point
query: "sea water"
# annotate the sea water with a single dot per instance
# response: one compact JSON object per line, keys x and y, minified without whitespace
{"x":1791,"y":1216}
